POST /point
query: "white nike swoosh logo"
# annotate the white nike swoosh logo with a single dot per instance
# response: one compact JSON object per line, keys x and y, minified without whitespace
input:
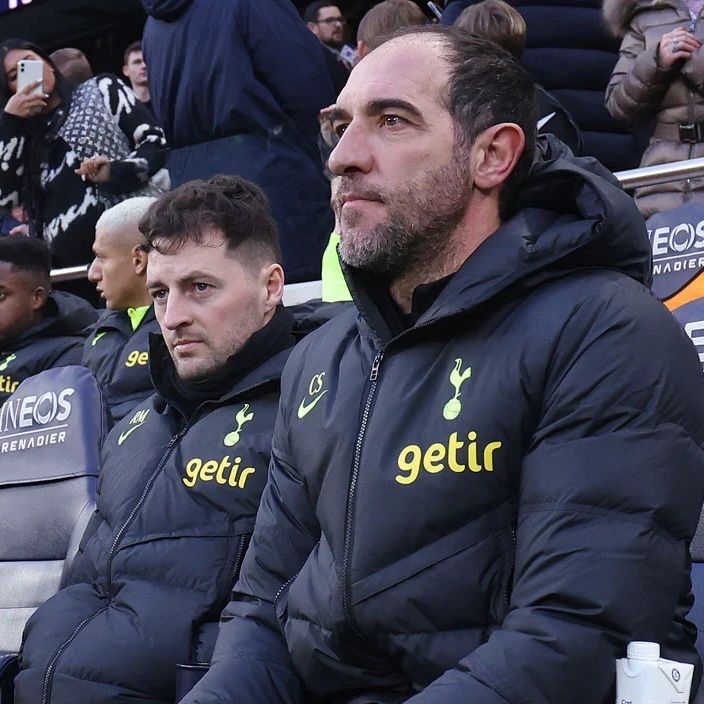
{"x":304,"y":410}
{"x":128,"y":432}
{"x":544,"y":120}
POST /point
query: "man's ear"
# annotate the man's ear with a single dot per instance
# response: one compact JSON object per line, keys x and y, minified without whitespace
{"x":313,"y":27}
{"x":124,"y":71}
{"x":362,"y":49}
{"x":496,"y":152}
{"x":271,"y":278}
{"x":139,"y":260}
{"x":39,"y":296}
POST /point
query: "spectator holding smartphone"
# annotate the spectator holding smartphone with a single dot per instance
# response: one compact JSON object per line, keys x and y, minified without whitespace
{"x":68,"y":154}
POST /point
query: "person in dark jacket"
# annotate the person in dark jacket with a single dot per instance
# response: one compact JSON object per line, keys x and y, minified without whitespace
{"x":571,"y":53}
{"x":71,"y":153}
{"x":237,"y":87}
{"x":485,"y":479}
{"x":38,"y":329}
{"x":117,"y":348}
{"x":182,"y":475}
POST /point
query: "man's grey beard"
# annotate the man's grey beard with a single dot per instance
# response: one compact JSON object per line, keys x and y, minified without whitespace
{"x":422,"y":216}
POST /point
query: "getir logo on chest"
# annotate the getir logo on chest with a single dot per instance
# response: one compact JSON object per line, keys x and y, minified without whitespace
{"x":227,"y":471}
{"x":457,"y":453}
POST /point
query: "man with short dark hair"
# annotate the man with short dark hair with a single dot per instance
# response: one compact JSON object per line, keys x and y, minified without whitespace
{"x":182,"y":474}
{"x":38,"y":329}
{"x":485,"y":479}
{"x":326,"y":21}
{"x":134,"y":69}
{"x":117,"y":349}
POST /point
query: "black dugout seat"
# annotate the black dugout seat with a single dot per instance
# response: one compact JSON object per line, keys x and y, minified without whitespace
{"x":51,"y":432}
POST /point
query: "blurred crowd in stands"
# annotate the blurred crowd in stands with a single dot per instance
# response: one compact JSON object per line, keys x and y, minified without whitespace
{"x":265,"y":500}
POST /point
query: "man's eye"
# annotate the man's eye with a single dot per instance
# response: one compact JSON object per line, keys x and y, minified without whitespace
{"x":159,"y":294}
{"x":201,"y":287}
{"x":339,"y":130}
{"x":392,"y":120}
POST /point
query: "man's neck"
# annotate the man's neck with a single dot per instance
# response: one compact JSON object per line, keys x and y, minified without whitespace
{"x":140,"y":300}
{"x":141,"y":91}
{"x":466,"y":238}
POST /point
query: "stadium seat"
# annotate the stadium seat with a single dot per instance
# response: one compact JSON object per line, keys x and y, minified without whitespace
{"x":51,"y":432}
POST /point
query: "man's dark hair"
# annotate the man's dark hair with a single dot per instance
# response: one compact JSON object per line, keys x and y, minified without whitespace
{"x":134,"y":46}
{"x":230,"y":204}
{"x":312,"y":12}
{"x":487,"y":86}
{"x":27,"y":254}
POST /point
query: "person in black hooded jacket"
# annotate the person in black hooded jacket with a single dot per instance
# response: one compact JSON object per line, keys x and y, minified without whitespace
{"x":485,"y":479}
{"x":182,"y":475}
{"x":237,"y":87}
{"x":38,"y":329}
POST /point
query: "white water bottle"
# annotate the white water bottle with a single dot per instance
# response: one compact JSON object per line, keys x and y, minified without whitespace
{"x":643,"y":677}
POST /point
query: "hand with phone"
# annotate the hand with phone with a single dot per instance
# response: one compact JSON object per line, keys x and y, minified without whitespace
{"x":26,"y":103}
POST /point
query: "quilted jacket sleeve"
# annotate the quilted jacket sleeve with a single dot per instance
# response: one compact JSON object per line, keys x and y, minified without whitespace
{"x":610,"y":495}
{"x":251,"y":661}
{"x":637,"y":83}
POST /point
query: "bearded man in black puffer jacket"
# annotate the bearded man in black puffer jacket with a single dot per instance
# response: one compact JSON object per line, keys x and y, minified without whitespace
{"x":485,"y":479}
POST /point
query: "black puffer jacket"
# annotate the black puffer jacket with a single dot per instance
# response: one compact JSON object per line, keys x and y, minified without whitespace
{"x":488,"y":506}
{"x":119,"y":358}
{"x":56,"y":341}
{"x":176,"y":504}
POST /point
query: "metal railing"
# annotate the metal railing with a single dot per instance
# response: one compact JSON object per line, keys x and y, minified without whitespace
{"x":634,"y":178}
{"x":661,"y":173}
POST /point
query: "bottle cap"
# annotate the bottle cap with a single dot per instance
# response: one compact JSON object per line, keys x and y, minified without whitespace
{"x":642,"y":650}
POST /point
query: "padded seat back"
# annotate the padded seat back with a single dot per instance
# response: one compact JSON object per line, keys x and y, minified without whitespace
{"x":51,"y":432}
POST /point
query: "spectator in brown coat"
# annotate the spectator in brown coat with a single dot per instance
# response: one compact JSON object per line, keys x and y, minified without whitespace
{"x":660,"y":75}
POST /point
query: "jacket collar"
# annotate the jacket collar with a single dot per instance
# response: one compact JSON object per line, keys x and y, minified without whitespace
{"x":571,"y":214}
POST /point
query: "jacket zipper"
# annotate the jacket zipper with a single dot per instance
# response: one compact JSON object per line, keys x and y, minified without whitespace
{"x":143,"y":497}
{"x":509,"y":580}
{"x":49,"y":676}
{"x":349,"y":515}
{"x":242,"y":548}
{"x":158,"y":468}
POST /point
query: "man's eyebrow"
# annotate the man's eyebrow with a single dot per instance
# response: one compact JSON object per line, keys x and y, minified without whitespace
{"x":185,"y":279}
{"x":376,"y":107}
{"x":338,"y":114}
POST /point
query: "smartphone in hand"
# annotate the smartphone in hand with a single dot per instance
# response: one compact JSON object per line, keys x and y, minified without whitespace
{"x":30,"y":71}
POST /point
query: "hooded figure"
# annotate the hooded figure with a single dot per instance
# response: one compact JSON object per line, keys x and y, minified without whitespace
{"x":237,"y":87}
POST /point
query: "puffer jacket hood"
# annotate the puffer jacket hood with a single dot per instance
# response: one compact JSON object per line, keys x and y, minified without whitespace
{"x":619,"y":13}
{"x":167,"y":10}
{"x":68,"y":315}
{"x":572,"y":214}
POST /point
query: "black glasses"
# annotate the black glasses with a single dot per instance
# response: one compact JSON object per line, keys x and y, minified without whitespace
{"x":332,"y":20}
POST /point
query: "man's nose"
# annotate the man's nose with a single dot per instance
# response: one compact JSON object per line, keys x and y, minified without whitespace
{"x":94,"y":272}
{"x":176,"y":312}
{"x":353,"y":153}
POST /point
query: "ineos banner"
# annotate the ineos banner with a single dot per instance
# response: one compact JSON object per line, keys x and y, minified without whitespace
{"x":52,"y":427}
{"x":677,"y":241}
